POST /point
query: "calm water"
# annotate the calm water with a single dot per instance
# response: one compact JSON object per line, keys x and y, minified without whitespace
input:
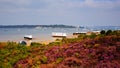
{"x":44,"y":34}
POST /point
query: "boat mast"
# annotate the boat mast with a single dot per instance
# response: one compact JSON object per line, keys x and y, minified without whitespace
{"x":77,"y":27}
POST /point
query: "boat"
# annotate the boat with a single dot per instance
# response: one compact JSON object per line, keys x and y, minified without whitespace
{"x":38,"y":27}
{"x":29,"y":37}
{"x":79,"y":33}
{"x":59,"y":34}
{"x":23,"y":42}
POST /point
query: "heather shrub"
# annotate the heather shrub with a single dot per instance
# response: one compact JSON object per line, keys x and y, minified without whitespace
{"x":95,"y":51}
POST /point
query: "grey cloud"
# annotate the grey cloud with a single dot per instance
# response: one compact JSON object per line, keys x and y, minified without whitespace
{"x":17,"y":2}
{"x":56,"y":4}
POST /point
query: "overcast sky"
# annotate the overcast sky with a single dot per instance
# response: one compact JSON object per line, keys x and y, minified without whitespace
{"x":68,"y":12}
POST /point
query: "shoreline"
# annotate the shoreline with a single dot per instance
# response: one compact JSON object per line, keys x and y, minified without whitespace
{"x":38,"y":40}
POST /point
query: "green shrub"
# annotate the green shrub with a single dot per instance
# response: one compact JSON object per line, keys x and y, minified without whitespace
{"x":102,"y":32}
{"x":82,"y":36}
{"x":92,"y":36}
{"x":55,"y":44}
{"x":35,"y":44}
{"x":109,"y":32}
{"x":12,"y":53}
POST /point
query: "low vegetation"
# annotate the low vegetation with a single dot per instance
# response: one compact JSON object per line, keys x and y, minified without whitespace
{"x":94,"y":51}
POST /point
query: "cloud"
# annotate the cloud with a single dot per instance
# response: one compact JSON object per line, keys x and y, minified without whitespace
{"x":65,"y":11}
{"x":17,"y":2}
{"x":88,"y":3}
{"x":55,"y":5}
{"x":102,"y":3}
{"x":66,"y":3}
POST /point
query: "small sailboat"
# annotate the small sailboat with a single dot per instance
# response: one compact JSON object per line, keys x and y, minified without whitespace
{"x":38,"y":27}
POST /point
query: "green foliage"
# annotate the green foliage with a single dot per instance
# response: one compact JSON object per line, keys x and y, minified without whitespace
{"x":82,"y":36}
{"x":60,"y":59}
{"x":116,"y":32}
{"x":35,"y":44}
{"x":102,"y":32}
{"x":92,"y":36}
{"x":58,"y":40}
{"x":55,"y":43}
{"x":44,"y":59}
{"x":64,"y":40}
{"x":12,"y":53}
{"x":71,"y":40}
{"x":109,"y":32}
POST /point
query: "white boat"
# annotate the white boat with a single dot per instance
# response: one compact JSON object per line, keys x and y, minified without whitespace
{"x":29,"y":37}
{"x":58,"y":34}
{"x":23,"y":42}
{"x":96,"y":31}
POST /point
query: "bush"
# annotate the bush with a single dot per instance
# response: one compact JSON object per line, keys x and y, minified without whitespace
{"x":35,"y":44}
{"x":55,"y":44}
{"x":109,"y":32}
{"x":92,"y":35}
{"x":12,"y":53}
{"x":102,"y":32}
{"x":82,"y":37}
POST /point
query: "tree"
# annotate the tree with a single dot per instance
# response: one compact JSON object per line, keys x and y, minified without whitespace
{"x":109,"y":32}
{"x":102,"y":32}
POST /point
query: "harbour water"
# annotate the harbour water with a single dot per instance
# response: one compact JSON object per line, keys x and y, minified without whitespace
{"x":44,"y":33}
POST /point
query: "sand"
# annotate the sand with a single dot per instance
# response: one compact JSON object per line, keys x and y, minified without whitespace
{"x":38,"y":40}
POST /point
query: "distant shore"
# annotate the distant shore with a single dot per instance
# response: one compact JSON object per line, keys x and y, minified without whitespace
{"x":34,"y":26}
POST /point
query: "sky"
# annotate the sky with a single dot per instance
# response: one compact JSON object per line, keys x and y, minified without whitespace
{"x":67,"y":12}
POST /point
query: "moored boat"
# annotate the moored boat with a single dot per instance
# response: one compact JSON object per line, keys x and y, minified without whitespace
{"x":59,"y":34}
{"x":29,"y":37}
{"x":78,"y":33}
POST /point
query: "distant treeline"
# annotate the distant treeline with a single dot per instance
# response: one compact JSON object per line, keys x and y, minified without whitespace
{"x":33,"y":26}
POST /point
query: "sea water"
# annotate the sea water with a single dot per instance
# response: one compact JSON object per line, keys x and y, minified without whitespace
{"x":45,"y":33}
{"x":39,"y":34}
